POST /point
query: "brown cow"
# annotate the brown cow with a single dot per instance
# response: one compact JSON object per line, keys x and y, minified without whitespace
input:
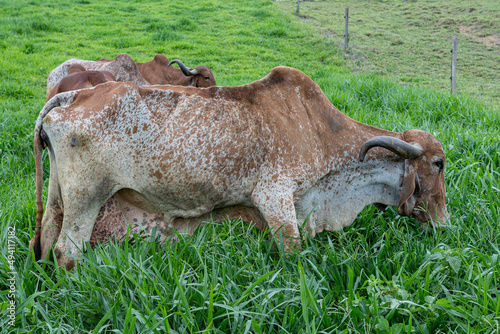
{"x":275,"y":152}
{"x":159,"y":71}
{"x":78,"y":78}
{"x":124,"y":68}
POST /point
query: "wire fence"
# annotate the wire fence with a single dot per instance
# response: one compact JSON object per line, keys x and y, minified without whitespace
{"x":425,"y":42}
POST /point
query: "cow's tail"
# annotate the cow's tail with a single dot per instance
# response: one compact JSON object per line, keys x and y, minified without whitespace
{"x":56,"y":101}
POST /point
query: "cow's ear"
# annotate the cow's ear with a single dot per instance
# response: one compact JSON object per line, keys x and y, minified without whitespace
{"x":407,"y":200}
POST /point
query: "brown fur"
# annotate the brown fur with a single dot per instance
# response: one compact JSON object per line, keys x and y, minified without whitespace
{"x":78,"y":78}
{"x":157,"y":72}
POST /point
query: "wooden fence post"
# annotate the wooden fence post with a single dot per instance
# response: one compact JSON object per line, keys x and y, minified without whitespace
{"x":454,"y":65}
{"x":298,"y":1}
{"x":346,"y":33}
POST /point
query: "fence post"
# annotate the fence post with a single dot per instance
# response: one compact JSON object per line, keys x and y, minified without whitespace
{"x":346,"y":33}
{"x":454,"y":65}
{"x":298,"y":1}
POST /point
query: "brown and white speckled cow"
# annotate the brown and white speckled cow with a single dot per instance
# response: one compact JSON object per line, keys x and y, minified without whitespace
{"x":273,"y":152}
{"x":154,"y":72}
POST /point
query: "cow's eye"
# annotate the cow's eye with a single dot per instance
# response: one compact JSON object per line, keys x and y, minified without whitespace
{"x":207,"y":78}
{"x":439,"y":164}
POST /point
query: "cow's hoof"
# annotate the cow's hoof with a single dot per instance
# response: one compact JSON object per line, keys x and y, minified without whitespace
{"x":63,"y":260}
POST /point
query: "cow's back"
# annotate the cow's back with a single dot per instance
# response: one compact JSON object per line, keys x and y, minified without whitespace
{"x":183,"y":142}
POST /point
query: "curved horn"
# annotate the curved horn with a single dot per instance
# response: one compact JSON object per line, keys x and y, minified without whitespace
{"x":184,"y":69}
{"x":398,"y":146}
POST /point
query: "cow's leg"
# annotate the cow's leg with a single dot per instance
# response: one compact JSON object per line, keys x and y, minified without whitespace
{"x":51,"y":227}
{"x":275,"y":201}
{"x":81,"y":208}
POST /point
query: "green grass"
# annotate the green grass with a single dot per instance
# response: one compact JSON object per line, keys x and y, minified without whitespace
{"x":410,"y":41}
{"x":381,"y":275}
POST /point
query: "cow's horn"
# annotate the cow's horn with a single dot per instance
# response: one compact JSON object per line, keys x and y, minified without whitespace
{"x":398,"y":146}
{"x":184,"y":69}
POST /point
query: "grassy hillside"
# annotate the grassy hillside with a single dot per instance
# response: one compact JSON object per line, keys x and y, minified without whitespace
{"x":381,"y":275}
{"x":410,"y":41}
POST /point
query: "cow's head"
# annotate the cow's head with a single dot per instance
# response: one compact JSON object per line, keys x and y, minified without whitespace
{"x":202,"y":76}
{"x":422,"y":189}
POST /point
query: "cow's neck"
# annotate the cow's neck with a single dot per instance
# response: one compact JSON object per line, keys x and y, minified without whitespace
{"x":153,"y":73}
{"x":349,"y":185}
{"x":143,"y":69}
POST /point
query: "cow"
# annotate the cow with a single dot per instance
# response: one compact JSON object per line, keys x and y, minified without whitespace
{"x":124,"y":68}
{"x":275,"y":152}
{"x":79,"y":78}
{"x":159,"y":71}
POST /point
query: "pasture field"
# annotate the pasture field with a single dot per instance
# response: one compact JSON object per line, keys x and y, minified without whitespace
{"x":383,"y":274}
{"x":410,"y":41}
